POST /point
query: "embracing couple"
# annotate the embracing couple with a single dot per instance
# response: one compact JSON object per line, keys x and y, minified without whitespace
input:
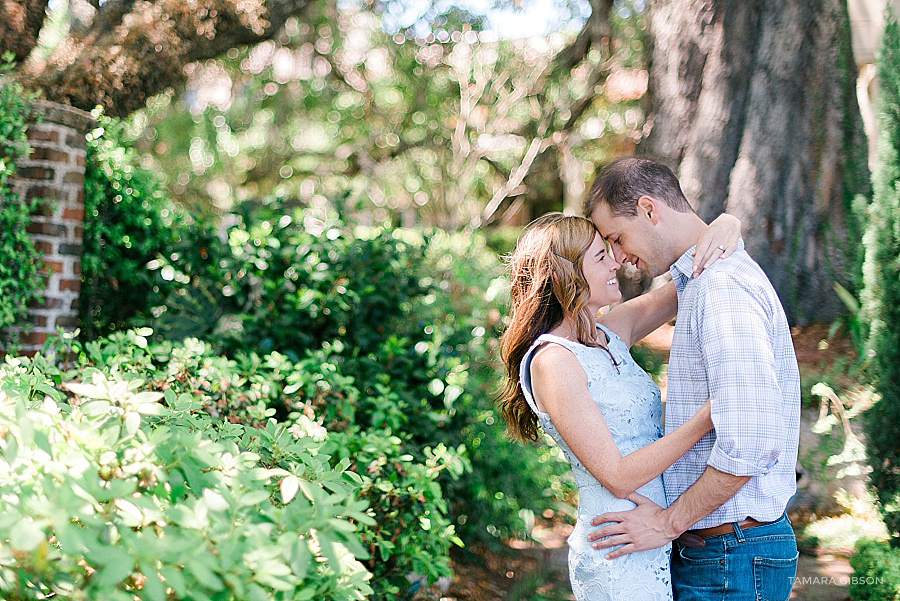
{"x":714,"y":525}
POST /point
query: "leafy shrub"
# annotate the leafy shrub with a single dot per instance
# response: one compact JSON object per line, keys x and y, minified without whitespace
{"x":129,"y":222}
{"x":362,"y":330}
{"x":414,"y":533}
{"x":410,"y":531}
{"x":876,"y":575}
{"x":117,"y":495}
{"x":20,"y":282}
{"x":881,"y":295}
{"x":410,"y":317}
{"x":509,"y":484}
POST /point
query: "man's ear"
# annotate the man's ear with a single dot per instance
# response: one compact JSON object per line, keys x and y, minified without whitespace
{"x":647,"y":207}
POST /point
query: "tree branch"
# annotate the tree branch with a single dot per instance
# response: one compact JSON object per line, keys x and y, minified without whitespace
{"x":119,"y":66}
{"x":20,"y":24}
{"x":515,"y":178}
{"x":110,"y":15}
{"x":593,"y":32}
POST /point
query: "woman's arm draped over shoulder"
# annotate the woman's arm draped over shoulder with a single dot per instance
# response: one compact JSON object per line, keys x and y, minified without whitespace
{"x":560,"y":386}
{"x":636,"y":318}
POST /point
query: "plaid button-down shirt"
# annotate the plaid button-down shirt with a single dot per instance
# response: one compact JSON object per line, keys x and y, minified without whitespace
{"x":732,"y":344}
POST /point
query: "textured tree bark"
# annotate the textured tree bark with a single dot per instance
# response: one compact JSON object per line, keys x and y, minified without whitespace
{"x":753,"y":104}
{"x":20,"y":23}
{"x":135,"y":49}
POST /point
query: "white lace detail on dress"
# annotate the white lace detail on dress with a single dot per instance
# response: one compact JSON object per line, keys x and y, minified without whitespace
{"x":630,"y":403}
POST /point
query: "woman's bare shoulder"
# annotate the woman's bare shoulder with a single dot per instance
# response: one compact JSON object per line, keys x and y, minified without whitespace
{"x":552,"y":360}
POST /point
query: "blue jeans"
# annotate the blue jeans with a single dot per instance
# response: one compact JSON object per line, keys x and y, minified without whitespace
{"x":755,"y":564}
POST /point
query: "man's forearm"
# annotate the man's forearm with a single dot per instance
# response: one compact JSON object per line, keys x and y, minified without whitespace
{"x":711,"y":490}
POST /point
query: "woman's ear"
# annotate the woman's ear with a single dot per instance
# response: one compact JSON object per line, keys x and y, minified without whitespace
{"x":647,"y":207}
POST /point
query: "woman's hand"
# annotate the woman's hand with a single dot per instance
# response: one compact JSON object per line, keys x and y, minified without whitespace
{"x":718,"y":242}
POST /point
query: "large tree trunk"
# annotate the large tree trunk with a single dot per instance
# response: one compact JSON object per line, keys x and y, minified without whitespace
{"x":754,"y":106}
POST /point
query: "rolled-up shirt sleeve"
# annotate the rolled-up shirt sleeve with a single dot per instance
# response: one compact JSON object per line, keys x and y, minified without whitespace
{"x":732,"y":328}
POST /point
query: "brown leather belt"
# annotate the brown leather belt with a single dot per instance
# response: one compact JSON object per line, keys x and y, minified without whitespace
{"x":694,"y":538}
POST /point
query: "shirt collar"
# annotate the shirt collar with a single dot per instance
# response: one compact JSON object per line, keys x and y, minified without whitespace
{"x":682,"y":270}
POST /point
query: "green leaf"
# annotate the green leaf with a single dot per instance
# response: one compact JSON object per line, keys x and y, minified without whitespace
{"x":132,"y":422}
{"x":273,"y":582}
{"x":93,"y":408}
{"x":174,"y":579}
{"x":130,"y":515}
{"x":253,"y":498}
{"x":42,"y":442}
{"x":11,"y":448}
{"x":364,"y":519}
{"x":146,"y":397}
{"x":214,"y":500}
{"x":847,"y":298}
{"x":309,"y":490}
{"x":289,"y":487}
{"x":26,"y":535}
{"x":100,"y":554}
{"x":204,"y":575}
{"x":88,"y":390}
{"x":115,"y":572}
{"x":153,"y":588}
{"x":151,"y":409}
{"x":345,"y":526}
{"x":300,"y":558}
{"x":257,"y":593}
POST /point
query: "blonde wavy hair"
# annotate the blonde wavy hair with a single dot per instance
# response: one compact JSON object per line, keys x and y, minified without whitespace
{"x":547,"y":286}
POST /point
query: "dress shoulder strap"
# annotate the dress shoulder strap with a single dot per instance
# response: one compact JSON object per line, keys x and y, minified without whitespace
{"x":525,"y":365}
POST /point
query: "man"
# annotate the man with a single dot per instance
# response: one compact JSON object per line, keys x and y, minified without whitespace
{"x":732,"y":344}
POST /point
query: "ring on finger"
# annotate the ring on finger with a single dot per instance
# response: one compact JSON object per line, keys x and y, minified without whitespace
{"x":720,"y":247}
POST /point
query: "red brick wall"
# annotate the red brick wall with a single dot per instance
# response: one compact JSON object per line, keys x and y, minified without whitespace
{"x":55,"y":171}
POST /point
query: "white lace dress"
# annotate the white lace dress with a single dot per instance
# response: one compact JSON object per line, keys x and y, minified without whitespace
{"x":630,"y":403}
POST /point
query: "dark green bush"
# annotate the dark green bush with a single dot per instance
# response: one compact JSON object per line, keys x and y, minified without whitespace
{"x":411,"y":317}
{"x":362,"y":330}
{"x":20,"y":282}
{"x":881,"y":296}
{"x":129,"y":223}
{"x":876,"y":572}
{"x":409,"y":532}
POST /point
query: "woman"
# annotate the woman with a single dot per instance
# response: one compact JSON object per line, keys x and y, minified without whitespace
{"x":572,"y":373}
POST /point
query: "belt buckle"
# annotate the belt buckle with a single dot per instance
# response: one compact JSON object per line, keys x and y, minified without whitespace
{"x":691,"y":541}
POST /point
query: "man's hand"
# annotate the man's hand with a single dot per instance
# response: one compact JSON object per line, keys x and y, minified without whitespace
{"x":640,"y":529}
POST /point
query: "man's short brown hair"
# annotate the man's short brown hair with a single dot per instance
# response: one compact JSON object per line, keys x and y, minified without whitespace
{"x":621,"y":183}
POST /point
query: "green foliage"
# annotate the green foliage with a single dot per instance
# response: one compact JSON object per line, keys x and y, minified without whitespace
{"x":876,"y":575}
{"x":402,"y":325}
{"x":386,"y":340}
{"x":853,"y":322}
{"x":412,"y":533}
{"x":124,"y":492}
{"x":409,"y":530}
{"x":881,"y":298}
{"x":502,"y":240}
{"x":20,"y":282}
{"x":399,"y":126}
{"x":128,"y":223}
